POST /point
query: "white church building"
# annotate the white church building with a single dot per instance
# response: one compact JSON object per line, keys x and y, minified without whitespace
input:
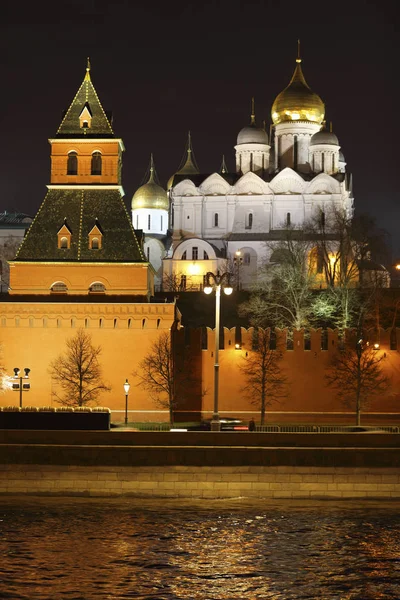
{"x":207,"y":222}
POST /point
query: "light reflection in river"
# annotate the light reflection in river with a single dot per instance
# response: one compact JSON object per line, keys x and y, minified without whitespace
{"x":169,"y":550}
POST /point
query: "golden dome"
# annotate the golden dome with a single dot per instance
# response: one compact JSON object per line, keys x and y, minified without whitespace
{"x":298,"y":102}
{"x":150,"y":195}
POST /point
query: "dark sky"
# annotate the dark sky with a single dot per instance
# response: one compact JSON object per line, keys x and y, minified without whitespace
{"x":164,"y":68}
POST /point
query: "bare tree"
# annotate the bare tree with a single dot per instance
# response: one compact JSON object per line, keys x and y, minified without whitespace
{"x":341,"y":258}
{"x":78,"y":372}
{"x":265,"y":382}
{"x":356,"y":374}
{"x":170,"y":377}
{"x":177,"y":282}
{"x":156,"y":373}
{"x":283,"y":296}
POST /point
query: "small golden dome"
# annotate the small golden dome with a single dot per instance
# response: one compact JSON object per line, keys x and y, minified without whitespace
{"x":298,"y":102}
{"x":150,"y":195}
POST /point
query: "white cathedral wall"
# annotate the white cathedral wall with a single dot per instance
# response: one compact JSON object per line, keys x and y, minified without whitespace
{"x":284,"y":142}
{"x":158,"y":220}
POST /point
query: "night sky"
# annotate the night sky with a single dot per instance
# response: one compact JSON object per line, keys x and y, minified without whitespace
{"x":164,"y":68}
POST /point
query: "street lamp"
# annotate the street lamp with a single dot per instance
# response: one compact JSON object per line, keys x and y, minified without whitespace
{"x":237,"y":261}
{"x":21,"y":383}
{"x":127,"y":387}
{"x":216,"y":282}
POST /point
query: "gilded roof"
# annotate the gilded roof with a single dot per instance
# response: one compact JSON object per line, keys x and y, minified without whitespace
{"x":298,"y":102}
{"x":86,"y":97}
{"x":82,"y":209}
{"x":150,"y":195}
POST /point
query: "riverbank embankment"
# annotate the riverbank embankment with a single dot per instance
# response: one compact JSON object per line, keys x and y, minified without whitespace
{"x":200,"y":464}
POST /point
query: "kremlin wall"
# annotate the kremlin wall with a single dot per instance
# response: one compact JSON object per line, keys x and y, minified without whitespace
{"x":85,"y":264}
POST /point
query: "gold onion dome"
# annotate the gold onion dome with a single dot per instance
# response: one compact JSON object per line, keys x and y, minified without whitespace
{"x":297,"y":102}
{"x":150,"y":195}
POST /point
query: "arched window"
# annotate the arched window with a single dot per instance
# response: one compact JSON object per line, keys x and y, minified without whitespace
{"x":215,"y":219}
{"x":85,"y":124}
{"x":249,"y":221}
{"x":288,"y":219}
{"x":184,"y":256}
{"x":64,"y":242}
{"x":95,"y":243}
{"x":72,"y":163}
{"x":97,"y":288}
{"x":96,"y":163}
{"x":59,"y":287}
{"x":246,"y":258}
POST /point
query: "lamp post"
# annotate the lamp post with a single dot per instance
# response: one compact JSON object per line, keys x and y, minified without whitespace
{"x":237,"y":261}
{"x":216,"y":282}
{"x":22,"y":382}
{"x":127,"y":387}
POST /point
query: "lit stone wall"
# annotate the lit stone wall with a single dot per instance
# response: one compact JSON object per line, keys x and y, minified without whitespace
{"x":34,"y":334}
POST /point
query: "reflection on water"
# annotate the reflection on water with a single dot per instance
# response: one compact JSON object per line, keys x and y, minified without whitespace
{"x":94,"y":549}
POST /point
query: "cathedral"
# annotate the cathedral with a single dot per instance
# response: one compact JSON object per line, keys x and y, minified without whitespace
{"x":220,"y":221}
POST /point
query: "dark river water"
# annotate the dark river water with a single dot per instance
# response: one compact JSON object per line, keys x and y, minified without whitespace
{"x":93,"y":549}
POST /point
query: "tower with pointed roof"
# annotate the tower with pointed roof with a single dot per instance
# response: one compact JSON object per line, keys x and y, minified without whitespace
{"x":82,"y":239}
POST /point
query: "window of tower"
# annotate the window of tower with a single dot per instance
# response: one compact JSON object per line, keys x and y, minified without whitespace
{"x":323,"y":162}
{"x":85,"y":124}
{"x":161,"y":223}
{"x":246,"y":258}
{"x":64,"y":242}
{"x":72,"y":163}
{"x":205,"y":255}
{"x":94,"y":244}
{"x":249,"y":221}
{"x":195,"y":253}
{"x":148,"y":221}
{"x":184,"y":256}
{"x":96,"y":163}
{"x":288,"y":220}
{"x":215,"y":219}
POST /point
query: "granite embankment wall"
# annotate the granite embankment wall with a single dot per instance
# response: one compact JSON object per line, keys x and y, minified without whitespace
{"x":200,"y":464}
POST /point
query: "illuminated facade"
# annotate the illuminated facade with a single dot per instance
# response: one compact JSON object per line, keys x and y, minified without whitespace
{"x":81,"y":264}
{"x":279,"y":183}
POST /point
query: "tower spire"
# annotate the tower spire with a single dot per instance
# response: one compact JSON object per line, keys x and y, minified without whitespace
{"x":223,"y":168}
{"x":298,"y":59}
{"x":253,"y":116}
{"x":87,"y":76}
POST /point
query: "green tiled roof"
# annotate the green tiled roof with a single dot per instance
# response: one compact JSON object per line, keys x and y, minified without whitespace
{"x":100,"y":123}
{"x":80,"y":208}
